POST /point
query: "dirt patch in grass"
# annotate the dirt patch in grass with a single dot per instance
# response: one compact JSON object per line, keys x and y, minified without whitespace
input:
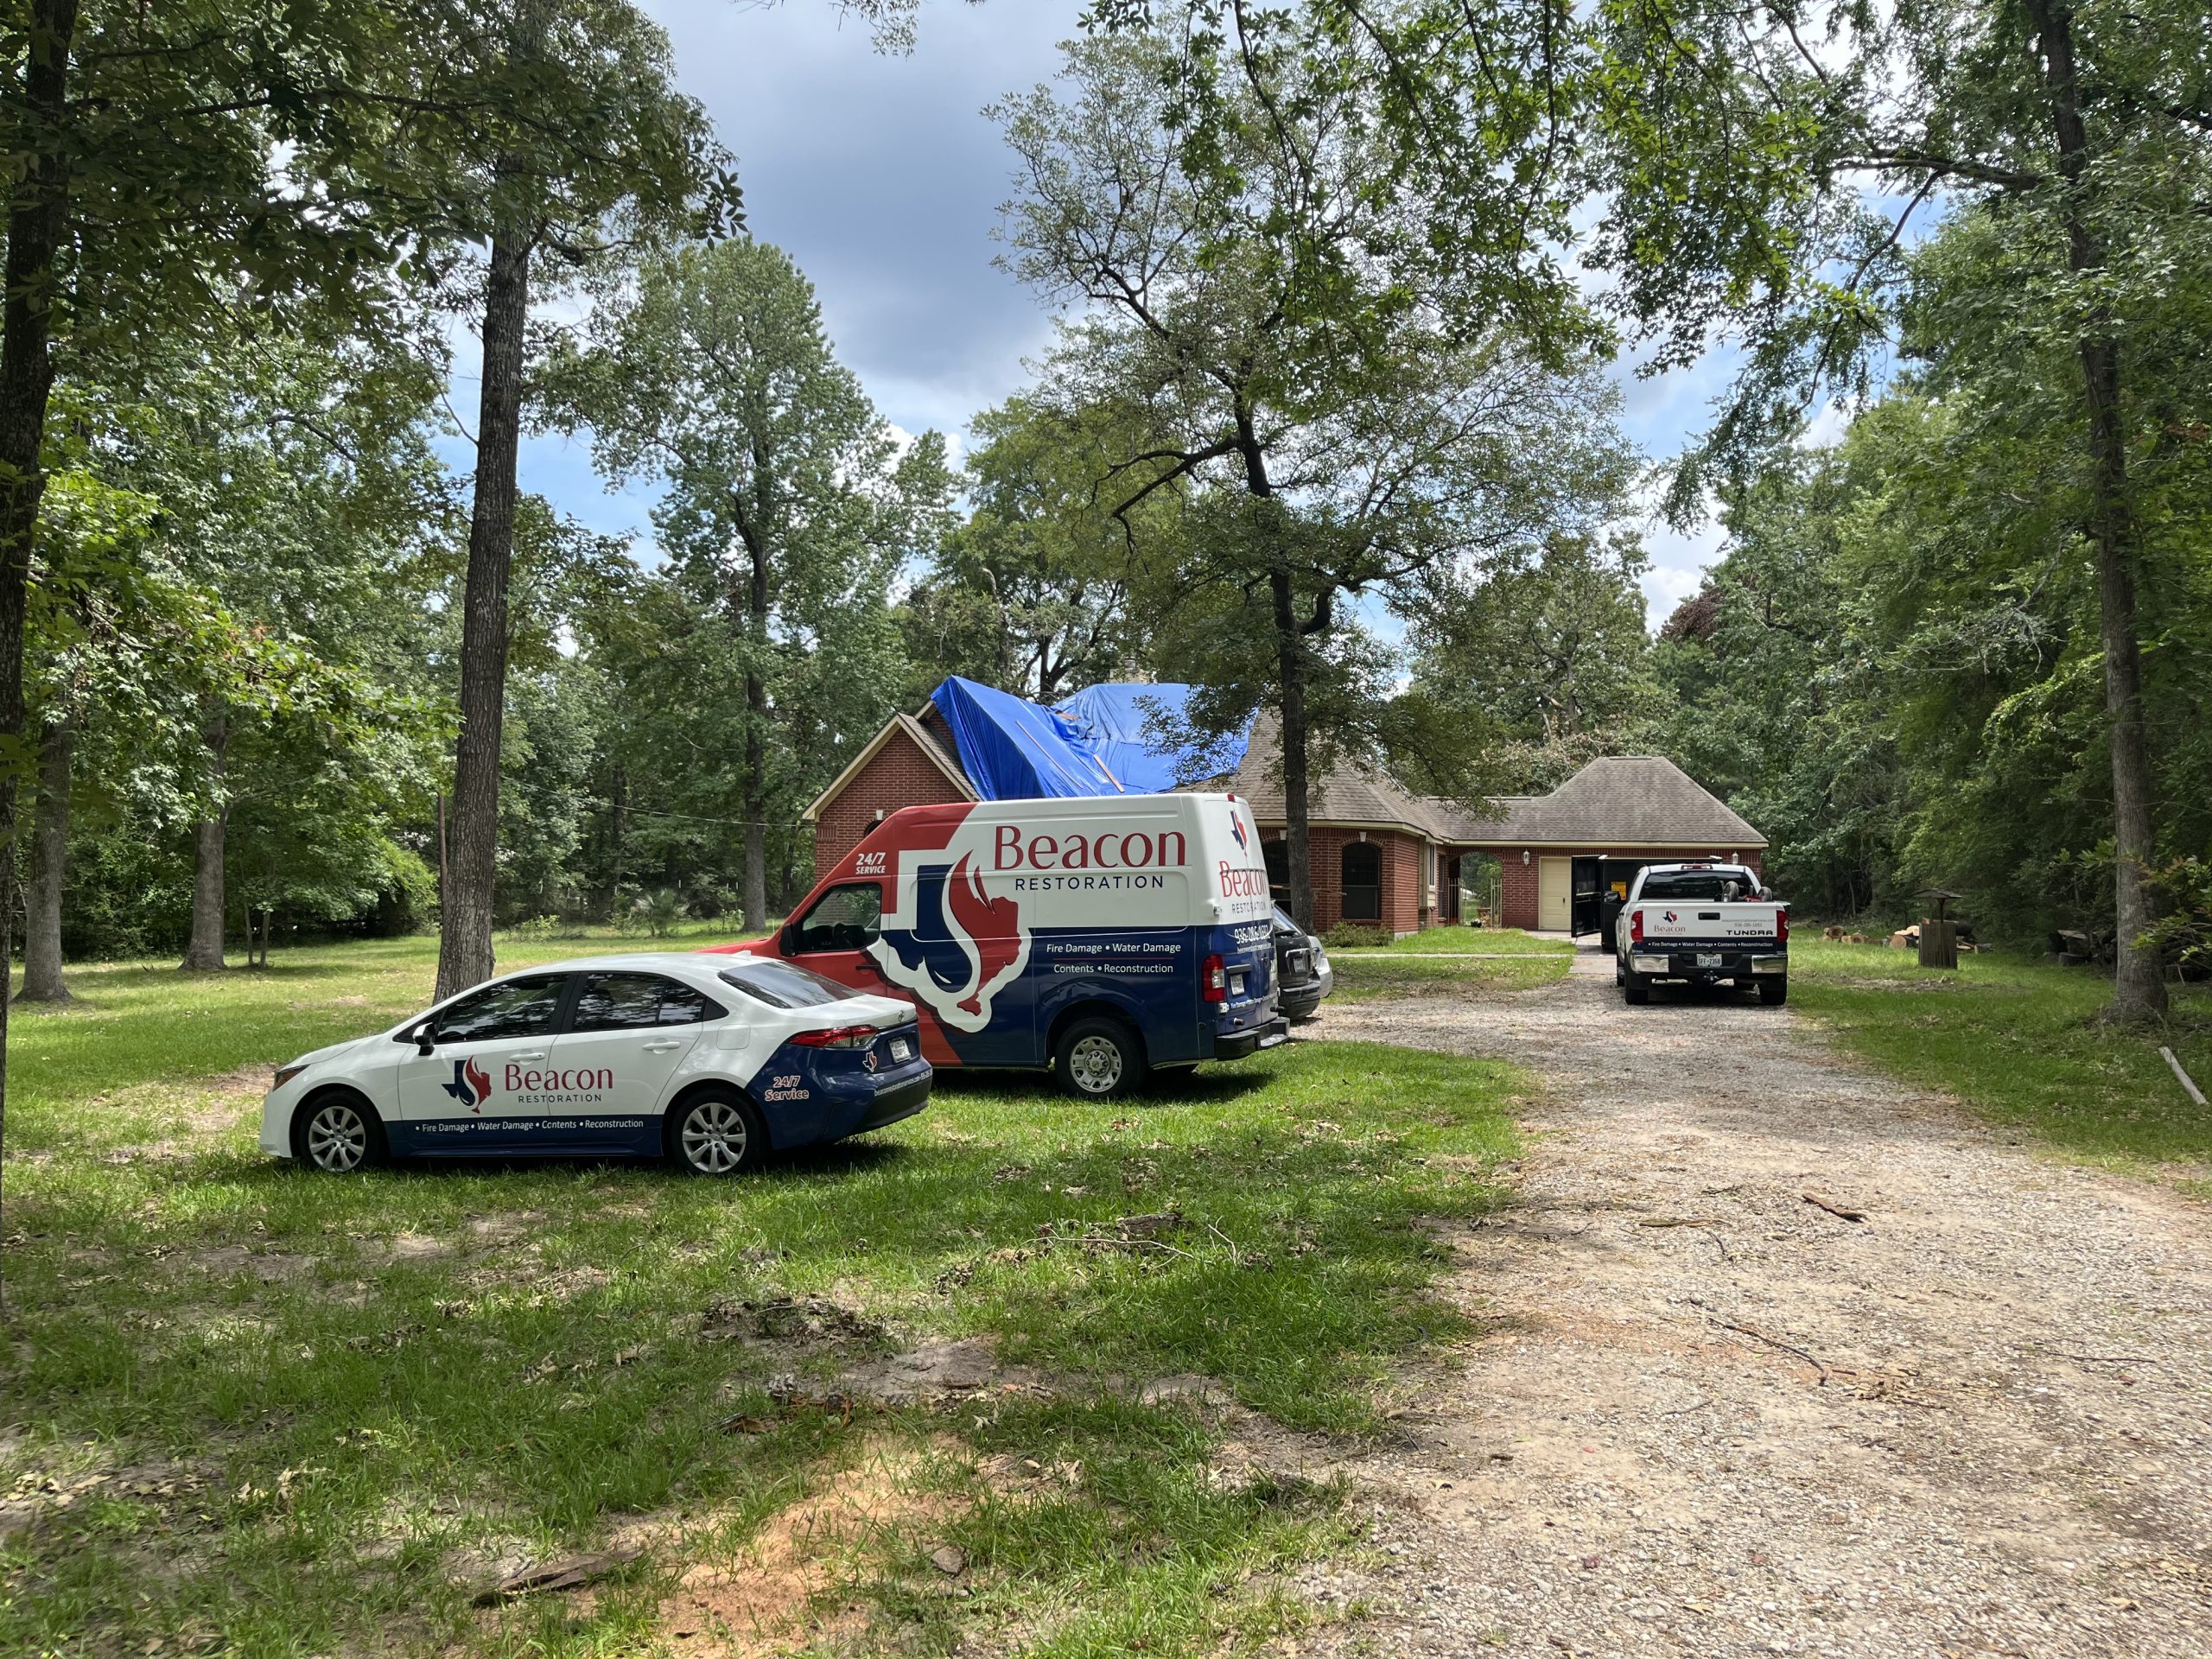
{"x":796,"y":1580}
{"x":240,"y":1262}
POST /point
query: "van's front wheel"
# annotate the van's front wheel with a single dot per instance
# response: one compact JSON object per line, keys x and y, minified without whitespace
{"x":1098,"y":1059}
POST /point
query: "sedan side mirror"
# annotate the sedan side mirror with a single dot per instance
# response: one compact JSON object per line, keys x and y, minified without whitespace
{"x":422,"y":1036}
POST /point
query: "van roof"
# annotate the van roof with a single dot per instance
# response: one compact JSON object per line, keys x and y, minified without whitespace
{"x":1068,"y":806}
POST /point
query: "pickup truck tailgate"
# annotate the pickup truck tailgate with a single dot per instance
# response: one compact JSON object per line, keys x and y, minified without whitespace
{"x":1690,"y":922}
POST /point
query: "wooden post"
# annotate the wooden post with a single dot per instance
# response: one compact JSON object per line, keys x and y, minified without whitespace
{"x":1939,"y":944}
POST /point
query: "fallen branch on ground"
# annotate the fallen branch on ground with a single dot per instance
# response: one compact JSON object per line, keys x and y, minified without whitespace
{"x":572,"y":1573}
{"x":2187,"y":1081}
{"x":1759,"y":1335}
{"x":1839,"y":1211}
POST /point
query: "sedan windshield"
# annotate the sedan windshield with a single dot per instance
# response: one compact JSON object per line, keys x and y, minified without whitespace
{"x":784,"y":984}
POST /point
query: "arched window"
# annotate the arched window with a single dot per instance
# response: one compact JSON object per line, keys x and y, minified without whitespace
{"x":1362,"y":870}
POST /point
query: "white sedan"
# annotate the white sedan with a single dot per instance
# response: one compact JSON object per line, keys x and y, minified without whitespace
{"x":711,"y":1061}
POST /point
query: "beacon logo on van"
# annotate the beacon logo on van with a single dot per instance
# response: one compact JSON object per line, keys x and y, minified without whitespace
{"x":1136,"y":849}
{"x":960,"y":945}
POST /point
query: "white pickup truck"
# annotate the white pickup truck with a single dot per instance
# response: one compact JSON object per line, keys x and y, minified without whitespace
{"x":1703,"y":924}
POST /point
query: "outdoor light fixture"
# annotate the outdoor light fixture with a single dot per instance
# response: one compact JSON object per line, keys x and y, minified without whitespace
{"x":1524,"y":857}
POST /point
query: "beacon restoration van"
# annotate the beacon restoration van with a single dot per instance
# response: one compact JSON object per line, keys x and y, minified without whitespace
{"x":1103,"y":936}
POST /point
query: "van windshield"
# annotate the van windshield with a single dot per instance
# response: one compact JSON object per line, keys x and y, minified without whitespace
{"x":1701,"y":887}
{"x":784,"y":984}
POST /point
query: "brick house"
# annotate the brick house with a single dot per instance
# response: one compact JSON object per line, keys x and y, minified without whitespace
{"x":1379,"y":855}
{"x":1593,"y":833}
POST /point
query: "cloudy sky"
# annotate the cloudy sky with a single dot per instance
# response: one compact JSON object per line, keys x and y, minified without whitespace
{"x":882,"y":179}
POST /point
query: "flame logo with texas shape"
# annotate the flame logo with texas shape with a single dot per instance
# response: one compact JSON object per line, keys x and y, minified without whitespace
{"x":989,"y":924}
{"x":960,"y":948}
{"x":471,"y":1084}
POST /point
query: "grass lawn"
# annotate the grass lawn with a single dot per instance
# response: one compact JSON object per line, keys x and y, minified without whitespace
{"x":1490,"y":960}
{"x":255,"y":1410}
{"x":2021,"y":1041}
{"x":1467,"y":941}
{"x":1380,"y":977}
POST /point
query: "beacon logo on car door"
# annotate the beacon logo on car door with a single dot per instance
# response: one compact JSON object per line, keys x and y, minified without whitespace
{"x":471,"y":1084}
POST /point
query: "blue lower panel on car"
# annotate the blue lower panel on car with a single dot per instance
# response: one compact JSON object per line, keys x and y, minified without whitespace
{"x":484,"y":1137}
{"x":809,"y":1094}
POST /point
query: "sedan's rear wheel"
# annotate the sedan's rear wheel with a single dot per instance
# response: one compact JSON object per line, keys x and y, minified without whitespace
{"x":337,"y":1134}
{"x":719,"y":1134}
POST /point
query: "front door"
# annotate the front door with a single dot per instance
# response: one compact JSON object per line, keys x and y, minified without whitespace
{"x":462,"y":1096}
{"x":611,"y":1070}
{"x":1554,"y":894}
{"x":834,"y":935}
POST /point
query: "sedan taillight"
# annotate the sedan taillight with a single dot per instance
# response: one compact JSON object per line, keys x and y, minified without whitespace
{"x":1213,"y":981}
{"x":838,"y":1037}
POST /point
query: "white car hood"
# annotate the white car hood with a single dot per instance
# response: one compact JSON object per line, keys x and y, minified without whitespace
{"x":314,"y":1056}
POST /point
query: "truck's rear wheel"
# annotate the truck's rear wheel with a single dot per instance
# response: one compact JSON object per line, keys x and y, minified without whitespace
{"x":1097,"y":1058}
{"x":1774,"y":990}
{"x":1636,"y":987}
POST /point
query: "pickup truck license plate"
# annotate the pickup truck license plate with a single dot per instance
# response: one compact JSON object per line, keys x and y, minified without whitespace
{"x":1708,"y":958}
{"x":901,"y":1049}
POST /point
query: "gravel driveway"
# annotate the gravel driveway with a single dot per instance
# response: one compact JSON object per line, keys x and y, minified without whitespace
{"x":1707,"y":1417}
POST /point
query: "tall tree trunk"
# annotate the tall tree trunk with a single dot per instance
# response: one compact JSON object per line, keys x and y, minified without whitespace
{"x":2139,"y":987}
{"x":618,"y":831}
{"x":1290,"y":668}
{"x":1290,"y":672}
{"x":756,"y":743}
{"x":203,"y":951}
{"x":38,"y":210}
{"x":43,"y":979}
{"x":465,"y":919}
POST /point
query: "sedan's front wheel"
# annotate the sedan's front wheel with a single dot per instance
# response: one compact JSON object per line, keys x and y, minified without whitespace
{"x":338,"y":1134}
{"x":718,"y":1134}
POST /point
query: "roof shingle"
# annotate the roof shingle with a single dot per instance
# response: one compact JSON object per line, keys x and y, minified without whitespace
{"x":1626,"y":800}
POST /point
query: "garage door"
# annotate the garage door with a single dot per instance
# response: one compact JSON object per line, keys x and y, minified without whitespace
{"x":1555,"y":893}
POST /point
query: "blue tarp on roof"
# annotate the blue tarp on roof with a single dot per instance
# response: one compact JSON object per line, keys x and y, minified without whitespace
{"x":1092,"y":744}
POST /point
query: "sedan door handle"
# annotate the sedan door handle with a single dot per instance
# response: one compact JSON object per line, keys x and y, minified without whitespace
{"x":661,"y":1048}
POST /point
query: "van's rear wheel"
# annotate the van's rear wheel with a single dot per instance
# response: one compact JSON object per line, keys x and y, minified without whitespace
{"x":1098,"y":1059}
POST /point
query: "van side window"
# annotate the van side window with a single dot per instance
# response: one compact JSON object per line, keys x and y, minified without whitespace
{"x":846,"y":917}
